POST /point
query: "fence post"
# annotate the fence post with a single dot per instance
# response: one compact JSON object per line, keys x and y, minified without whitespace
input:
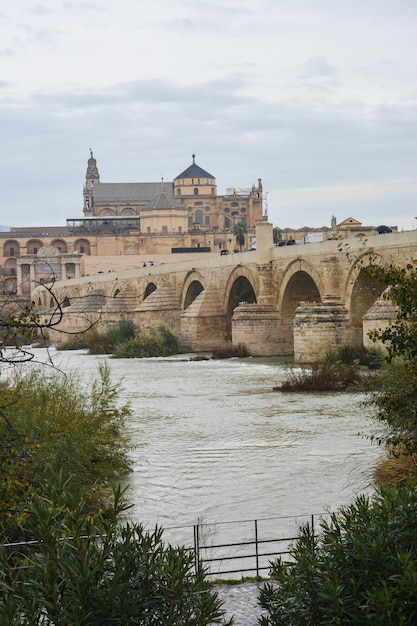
{"x":312,"y":529}
{"x":197,"y":547}
{"x":256,"y":548}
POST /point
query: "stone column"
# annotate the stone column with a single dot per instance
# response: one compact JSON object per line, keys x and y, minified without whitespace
{"x":257,"y":326}
{"x":318,"y":327}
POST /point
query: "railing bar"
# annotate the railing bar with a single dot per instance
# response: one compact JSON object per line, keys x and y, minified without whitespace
{"x":242,"y":556}
{"x":246,"y":543}
{"x":234,"y":571}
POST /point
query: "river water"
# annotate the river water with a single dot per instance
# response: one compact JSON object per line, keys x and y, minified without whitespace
{"x":214,"y":442}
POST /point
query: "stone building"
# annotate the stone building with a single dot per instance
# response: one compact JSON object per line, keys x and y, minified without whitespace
{"x":189,"y":201}
{"x":47,"y":265}
{"x":123,"y":222}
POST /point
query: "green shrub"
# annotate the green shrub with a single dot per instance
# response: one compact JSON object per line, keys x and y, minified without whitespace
{"x":347,"y":367}
{"x":94,"y":570}
{"x":100,"y":343}
{"x":349,"y":354}
{"x":78,"y":341}
{"x":362,"y":569}
{"x":229,"y":351}
{"x":51,"y":420}
{"x":156,"y":342}
{"x":122,"y":331}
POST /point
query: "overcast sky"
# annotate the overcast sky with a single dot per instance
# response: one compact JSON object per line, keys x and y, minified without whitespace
{"x":316,"y":97}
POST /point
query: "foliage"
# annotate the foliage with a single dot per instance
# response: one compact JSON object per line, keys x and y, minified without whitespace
{"x":349,"y":354}
{"x":122,"y":331}
{"x":77,"y":341}
{"x":91,"y":569}
{"x":400,"y":337}
{"x":396,"y":404}
{"x":124,"y":341}
{"x":156,"y":342}
{"x":396,"y":468}
{"x":48,"y":420}
{"x":346,"y":367}
{"x":276,"y":234}
{"x":21,"y":325}
{"x":362,"y":569}
{"x":239,"y":231}
{"x":229,"y":350}
{"x":100,"y":343}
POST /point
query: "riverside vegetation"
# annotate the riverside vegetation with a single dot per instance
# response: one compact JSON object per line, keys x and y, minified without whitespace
{"x":347,"y":368}
{"x":123,"y":340}
{"x":361,"y":567}
{"x":68,"y":553}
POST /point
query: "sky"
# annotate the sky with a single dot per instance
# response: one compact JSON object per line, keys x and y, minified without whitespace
{"x":318,"y":98}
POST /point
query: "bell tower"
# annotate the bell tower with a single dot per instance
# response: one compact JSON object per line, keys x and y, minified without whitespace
{"x":92,"y":177}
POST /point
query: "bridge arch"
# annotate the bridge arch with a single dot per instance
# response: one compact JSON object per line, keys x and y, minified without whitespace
{"x":361,"y":292}
{"x":193,"y":291}
{"x":301,"y":282}
{"x":150,"y":288}
{"x":193,"y":285}
{"x":241,"y":287}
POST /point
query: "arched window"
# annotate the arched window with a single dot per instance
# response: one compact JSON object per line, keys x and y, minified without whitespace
{"x":178,"y":192}
{"x":199,"y":217}
{"x":207,"y":220}
{"x":190,"y":221}
{"x":196,"y":191}
{"x":226,"y":222}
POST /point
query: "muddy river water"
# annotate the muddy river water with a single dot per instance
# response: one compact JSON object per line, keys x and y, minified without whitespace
{"x":214,"y":442}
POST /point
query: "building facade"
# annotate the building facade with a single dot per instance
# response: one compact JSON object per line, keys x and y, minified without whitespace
{"x":189,"y":202}
{"x":124,"y":221}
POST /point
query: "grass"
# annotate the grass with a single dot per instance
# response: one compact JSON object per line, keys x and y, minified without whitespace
{"x":123,"y":340}
{"x":227,"y":351}
{"x":396,"y":468}
{"x":347,"y":368}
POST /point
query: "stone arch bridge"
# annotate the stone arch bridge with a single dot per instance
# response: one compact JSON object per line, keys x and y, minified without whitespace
{"x":291,"y":300}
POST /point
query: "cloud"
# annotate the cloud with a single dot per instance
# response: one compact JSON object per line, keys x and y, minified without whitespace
{"x":256,"y":88}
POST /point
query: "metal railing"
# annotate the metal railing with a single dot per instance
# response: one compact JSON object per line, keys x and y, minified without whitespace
{"x":253,"y":544}
{"x":245,"y":547}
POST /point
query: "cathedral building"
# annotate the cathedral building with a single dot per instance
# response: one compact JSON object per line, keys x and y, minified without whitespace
{"x":123,"y":220}
{"x":190,"y":201}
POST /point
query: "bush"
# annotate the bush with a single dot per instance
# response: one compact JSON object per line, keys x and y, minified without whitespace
{"x":344,"y":368}
{"x":48,"y":420}
{"x":100,"y":343}
{"x":78,"y":341}
{"x":229,"y":351}
{"x":354,"y":355}
{"x":156,"y":342}
{"x":123,"y":331}
{"x":91,"y":569}
{"x":361,"y":570}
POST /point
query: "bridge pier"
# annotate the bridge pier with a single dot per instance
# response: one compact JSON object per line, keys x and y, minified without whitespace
{"x":318,"y":327}
{"x":160,"y":308}
{"x":203,"y":326}
{"x":257,"y":326}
